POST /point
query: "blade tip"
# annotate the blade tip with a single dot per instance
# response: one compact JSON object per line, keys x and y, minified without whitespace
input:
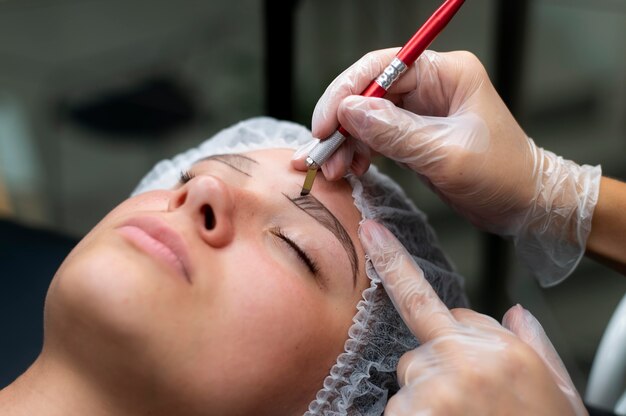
{"x":308,"y":182}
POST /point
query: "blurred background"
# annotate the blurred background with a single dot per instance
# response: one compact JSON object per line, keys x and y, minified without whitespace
{"x":94,"y":92}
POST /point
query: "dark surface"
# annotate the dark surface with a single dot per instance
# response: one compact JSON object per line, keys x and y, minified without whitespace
{"x":29,"y":258}
{"x":593,"y":411}
{"x":511,"y":31}
{"x":154,"y":107}
{"x":279,"y":57}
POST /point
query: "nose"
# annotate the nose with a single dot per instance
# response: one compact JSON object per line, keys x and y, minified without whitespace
{"x":209,"y":202}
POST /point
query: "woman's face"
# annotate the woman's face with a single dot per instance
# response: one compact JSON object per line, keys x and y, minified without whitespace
{"x":229,"y":294}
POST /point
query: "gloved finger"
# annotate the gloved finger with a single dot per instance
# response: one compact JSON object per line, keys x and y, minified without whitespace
{"x":409,"y":138}
{"x":350,"y":82}
{"x":389,"y":130}
{"x":353,"y":155}
{"x":439,"y":84}
{"x":434,"y":79}
{"x":523,"y":324}
{"x":416,"y":301}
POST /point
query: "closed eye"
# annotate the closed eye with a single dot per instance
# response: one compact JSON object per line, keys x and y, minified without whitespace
{"x":302,"y":255}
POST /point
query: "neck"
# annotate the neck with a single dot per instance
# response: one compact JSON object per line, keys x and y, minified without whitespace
{"x":51,"y":387}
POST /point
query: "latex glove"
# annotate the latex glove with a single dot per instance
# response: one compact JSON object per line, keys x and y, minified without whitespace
{"x":468,"y":364}
{"x":449,"y":125}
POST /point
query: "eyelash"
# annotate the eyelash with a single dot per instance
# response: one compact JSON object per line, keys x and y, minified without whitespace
{"x":186,"y":176}
{"x":302,"y":255}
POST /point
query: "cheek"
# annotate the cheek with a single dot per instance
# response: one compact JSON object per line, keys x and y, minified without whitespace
{"x":270,"y":329}
{"x":269,"y":305}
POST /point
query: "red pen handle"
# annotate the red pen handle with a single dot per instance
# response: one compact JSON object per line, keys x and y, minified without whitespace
{"x":379,"y":86}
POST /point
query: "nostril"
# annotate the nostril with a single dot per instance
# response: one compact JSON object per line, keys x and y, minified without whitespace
{"x":209,"y":217}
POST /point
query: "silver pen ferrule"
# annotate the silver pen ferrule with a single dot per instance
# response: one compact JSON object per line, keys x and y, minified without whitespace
{"x":310,"y":163}
{"x":391,"y":73}
{"x":324,"y":150}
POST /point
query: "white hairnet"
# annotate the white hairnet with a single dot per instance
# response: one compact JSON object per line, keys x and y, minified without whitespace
{"x":363,"y":376}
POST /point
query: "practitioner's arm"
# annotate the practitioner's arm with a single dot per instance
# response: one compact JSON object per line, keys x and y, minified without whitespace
{"x":607,"y":240}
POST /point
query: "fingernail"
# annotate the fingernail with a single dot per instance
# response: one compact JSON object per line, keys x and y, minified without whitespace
{"x":304,"y":150}
{"x":372,"y":233}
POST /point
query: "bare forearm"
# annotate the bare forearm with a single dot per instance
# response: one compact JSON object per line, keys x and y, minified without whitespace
{"x":607,"y":240}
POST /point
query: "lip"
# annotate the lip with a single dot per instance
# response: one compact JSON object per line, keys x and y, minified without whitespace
{"x":154,"y":237}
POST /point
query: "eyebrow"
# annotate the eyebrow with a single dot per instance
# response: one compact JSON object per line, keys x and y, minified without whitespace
{"x":237,"y":161}
{"x":308,"y":203}
{"x":318,"y":211}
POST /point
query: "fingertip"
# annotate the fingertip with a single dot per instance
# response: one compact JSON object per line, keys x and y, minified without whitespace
{"x":374,"y":236}
{"x":523,"y":324}
{"x":363,"y":229}
{"x":299,"y":164}
{"x":513,"y":317}
{"x":298,"y":159}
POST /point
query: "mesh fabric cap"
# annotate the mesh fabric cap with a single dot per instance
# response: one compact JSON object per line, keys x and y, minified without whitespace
{"x":363,"y":376}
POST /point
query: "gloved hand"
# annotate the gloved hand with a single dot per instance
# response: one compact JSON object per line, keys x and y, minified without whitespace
{"x":468,"y":364}
{"x":444,"y":120}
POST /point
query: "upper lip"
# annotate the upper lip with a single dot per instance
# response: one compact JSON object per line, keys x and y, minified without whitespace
{"x":158,"y":229}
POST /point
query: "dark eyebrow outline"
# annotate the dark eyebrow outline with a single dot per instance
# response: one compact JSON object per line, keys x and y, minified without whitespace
{"x":234,"y":160}
{"x":315,"y":209}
